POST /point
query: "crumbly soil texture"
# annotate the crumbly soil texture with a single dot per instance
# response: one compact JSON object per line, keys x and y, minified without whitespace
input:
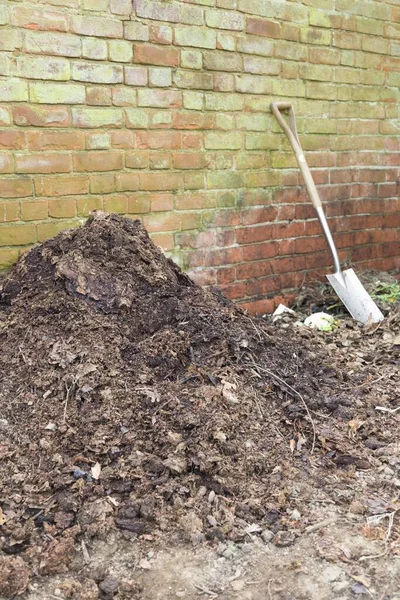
{"x":156,"y":442}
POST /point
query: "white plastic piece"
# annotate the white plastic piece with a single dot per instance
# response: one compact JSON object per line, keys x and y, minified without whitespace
{"x":321,"y":321}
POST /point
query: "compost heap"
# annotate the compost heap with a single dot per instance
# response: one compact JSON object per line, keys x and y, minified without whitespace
{"x":133,"y":399}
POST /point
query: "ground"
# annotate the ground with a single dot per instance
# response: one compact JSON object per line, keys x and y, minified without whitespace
{"x":157,"y":443}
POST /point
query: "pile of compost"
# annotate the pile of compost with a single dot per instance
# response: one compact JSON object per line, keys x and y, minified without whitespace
{"x":133,"y":400}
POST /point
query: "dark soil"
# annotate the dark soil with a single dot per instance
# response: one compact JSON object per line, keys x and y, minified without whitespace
{"x":131,"y":399}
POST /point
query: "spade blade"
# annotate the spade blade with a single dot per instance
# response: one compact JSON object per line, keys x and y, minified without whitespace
{"x":356,"y":298}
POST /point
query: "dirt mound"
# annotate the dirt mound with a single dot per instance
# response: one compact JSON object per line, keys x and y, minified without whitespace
{"x":132,"y":399}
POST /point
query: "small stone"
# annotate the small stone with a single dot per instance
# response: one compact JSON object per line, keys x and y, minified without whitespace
{"x":332,"y":573}
{"x":295,"y":516}
{"x":267,"y":535}
{"x":212,"y":521}
{"x":340,"y":586}
{"x":238,"y":585}
{"x":284,"y":538}
{"x":109,"y":585}
{"x":356,"y":507}
{"x":180,"y":594}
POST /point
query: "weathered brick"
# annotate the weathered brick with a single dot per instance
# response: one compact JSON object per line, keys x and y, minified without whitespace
{"x":160,"y":181}
{"x":321,"y":91}
{"x":120,"y":51}
{"x":222,"y":19}
{"x":126,"y":182}
{"x":31,"y":18}
{"x":260,"y":65}
{"x":197,"y":38}
{"x":55,"y":140}
{"x":14,"y":90}
{"x":255,"y":45}
{"x":193,"y":80}
{"x":60,"y":44}
{"x":226,"y":41}
{"x":8,"y":257}
{"x":220,"y":141}
{"x":134,"y":30}
{"x":98,"y":161}
{"x":41,"y":116}
{"x":96,"y":73}
{"x":97,"y":140}
{"x":160,"y":34}
{"x":160,"y":77}
{"x":10,"y":39}
{"x":269,"y":29}
{"x":62,"y":208}
{"x":121,"y":7}
{"x":86,"y":204}
{"x":374,"y":44}
{"x":153,"y":55}
{"x":18,"y":235}
{"x":137,"y":160}
{"x":159,"y":139}
{"x":16,"y":187}
{"x":98,"y":95}
{"x":315,"y":72}
{"x":42,"y":163}
{"x":96,"y":26}
{"x":62,"y":185}
{"x":6,"y":162}
{"x":159,"y":98}
{"x":137,"y":118}
{"x":94,"y":48}
{"x":223,"y":102}
{"x":189,"y":160}
{"x":173,"y":13}
{"x":5,"y":116}
{"x":116,"y":203}
{"x":136,"y":76}
{"x":254,"y":84}
{"x":97,"y":117}
{"x":123,"y":96}
{"x":35,"y":67}
{"x":191,"y":59}
{"x":103,"y":183}
{"x":11,"y":139}
{"x":221,"y":61}
{"x":53,"y":93}
{"x":97,"y":5}
{"x":9,"y":211}
{"x":122,"y":139}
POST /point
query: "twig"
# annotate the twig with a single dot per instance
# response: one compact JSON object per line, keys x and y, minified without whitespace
{"x":319,"y":525}
{"x":68,"y":388}
{"x":392,"y":411}
{"x":269,"y":588}
{"x":291,"y":389}
{"x":204,"y":590}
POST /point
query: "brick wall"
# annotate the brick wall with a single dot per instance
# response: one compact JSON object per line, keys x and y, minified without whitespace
{"x":161,"y":111}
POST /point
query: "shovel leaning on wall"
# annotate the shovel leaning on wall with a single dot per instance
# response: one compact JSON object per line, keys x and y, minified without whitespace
{"x":345,"y":283}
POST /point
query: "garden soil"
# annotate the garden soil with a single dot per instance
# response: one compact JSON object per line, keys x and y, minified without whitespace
{"x":156,"y":442}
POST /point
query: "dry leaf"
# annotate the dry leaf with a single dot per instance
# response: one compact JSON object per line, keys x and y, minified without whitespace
{"x":96,"y":470}
{"x":292,"y":445}
{"x":2,"y":517}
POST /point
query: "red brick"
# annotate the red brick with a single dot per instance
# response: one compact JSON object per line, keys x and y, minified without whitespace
{"x":260,"y":251}
{"x":162,"y":202}
{"x":127,"y":182}
{"x":98,"y":161}
{"x":6,"y":162}
{"x":42,"y":163}
{"x":192,"y":120}
{"x":64,"y":185}
{"x":41,"y":116}
{"x":15,"y":188}
{"x":153,"y":55}
{"x":158,"y":140}
{"x":98,"y":96}
{"x":123,"y":139}
{"x":258,"y":308}
{"x":204,"y":277}
{"x":227,"y":275}
{"x":102,"y":184}
{"x":62,"y":208}
{"x":248,"y":235}
{"x":55,"y":140}
{"x":269,"y":29}
{"x":11,"y":139}
{"x":189,"y":160}
{"x":165,"y":241}
{"x":137,"y":160}
{"x":160,"y":181}
{"x":162,"y":222}
{"x":159,"y":160}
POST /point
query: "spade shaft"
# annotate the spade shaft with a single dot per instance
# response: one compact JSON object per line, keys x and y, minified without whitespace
{"x":345,"y":283}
